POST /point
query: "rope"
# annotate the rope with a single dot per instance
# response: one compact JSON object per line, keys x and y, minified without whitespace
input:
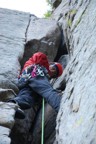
{"x":42,"y":135}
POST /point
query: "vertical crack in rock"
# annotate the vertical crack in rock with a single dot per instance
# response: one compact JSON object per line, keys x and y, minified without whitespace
{"x":27,"y":28}
{"x":62,"y":50}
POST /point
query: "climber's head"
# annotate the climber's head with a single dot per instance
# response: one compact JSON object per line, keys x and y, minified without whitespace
{"x":56,"y":69}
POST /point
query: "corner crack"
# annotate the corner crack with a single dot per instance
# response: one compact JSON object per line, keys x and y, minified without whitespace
{"x":27,"y":28}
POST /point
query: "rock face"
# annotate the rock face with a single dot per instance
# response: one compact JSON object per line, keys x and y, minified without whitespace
{"x":76,"y":122}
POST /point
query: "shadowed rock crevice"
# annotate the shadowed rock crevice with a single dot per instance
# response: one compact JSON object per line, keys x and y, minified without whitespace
{"x":55,"y":3}
{"x":62,"y":49}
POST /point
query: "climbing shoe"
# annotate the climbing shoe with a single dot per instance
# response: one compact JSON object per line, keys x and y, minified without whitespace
{"x":23,"y":105}
{"x":19,"y":114}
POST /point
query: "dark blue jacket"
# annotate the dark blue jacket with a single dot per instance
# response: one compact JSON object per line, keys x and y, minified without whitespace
{"x":37,"y":78}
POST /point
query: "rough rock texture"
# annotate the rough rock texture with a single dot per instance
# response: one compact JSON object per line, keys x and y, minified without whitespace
{"x":76,"y":122}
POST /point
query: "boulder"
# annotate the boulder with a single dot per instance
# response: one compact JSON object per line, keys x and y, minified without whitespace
{"x":43,"y":35}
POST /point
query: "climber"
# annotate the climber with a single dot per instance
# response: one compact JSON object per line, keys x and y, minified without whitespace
{"x":34,"y":80}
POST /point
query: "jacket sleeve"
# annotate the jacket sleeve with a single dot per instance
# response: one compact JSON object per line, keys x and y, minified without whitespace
{"x":42,"y":86}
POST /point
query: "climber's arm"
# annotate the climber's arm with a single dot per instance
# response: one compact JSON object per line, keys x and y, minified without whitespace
{"x":42,"y":86}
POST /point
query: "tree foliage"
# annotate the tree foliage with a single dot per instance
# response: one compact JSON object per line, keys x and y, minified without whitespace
{"x":49,"y":12}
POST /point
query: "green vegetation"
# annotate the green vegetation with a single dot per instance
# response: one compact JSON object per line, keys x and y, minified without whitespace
{"x":69,"y":22}
{"x":49,"y":12}
{"x":73,"y":12}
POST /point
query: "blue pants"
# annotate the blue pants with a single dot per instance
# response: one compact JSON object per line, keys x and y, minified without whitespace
{"x":26,"y":94}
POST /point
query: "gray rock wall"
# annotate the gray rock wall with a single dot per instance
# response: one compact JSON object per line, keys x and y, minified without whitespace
{"x":76,"y":122}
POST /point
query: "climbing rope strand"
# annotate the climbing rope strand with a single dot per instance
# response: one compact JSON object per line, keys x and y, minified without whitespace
{"x":42,"y":135}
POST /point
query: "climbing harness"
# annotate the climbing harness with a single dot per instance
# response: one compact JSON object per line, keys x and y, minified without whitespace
{"x":42,"y":134}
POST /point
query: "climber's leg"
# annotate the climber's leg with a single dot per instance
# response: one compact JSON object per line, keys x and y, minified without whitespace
{"x":24,"y":99}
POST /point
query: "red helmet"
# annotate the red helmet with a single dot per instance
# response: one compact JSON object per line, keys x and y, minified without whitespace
{"x":59,"y":69}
